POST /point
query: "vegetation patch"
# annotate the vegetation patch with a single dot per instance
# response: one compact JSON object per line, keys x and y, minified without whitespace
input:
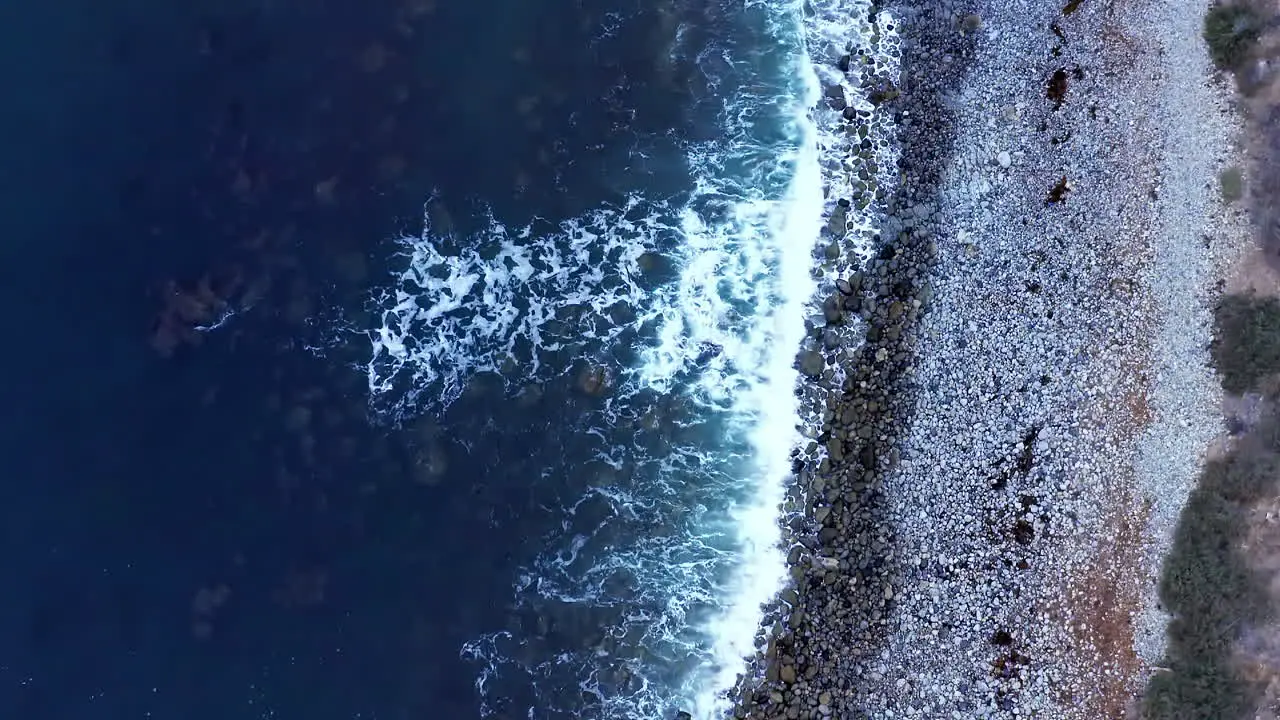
{"x":1207,"y":583}
{"x":1231,"y":30}
{"x":1231,"y":183}
{"x":1211,"y":591}
{"x":1246,"y":346}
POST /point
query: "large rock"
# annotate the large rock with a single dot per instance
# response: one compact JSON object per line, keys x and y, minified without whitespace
{"x":835,"y":97}
{"x":811,"y":363}
{"x":831,"y":310}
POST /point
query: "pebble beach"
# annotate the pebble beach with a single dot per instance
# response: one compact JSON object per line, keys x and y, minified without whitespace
{"x":982,"y":514}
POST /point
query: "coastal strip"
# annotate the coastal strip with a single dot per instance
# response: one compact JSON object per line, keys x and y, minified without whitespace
{"x":980,"y":517}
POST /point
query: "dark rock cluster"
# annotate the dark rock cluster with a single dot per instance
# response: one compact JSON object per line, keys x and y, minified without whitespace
{"x":824,"y":632}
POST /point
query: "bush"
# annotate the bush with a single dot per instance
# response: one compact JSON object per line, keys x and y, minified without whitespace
{"x":1206,"y":582}
{"x":1211,"y":591}
{"x":1246,"y":346}
{"x":1230,"y":30}
{"x":1231,"y":183}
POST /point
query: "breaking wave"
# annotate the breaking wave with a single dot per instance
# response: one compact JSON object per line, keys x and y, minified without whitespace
{"x":685,"y":312}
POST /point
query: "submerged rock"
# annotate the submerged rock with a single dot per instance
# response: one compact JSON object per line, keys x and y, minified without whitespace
{"x":430,"y":464}
{"x":595,"y":380}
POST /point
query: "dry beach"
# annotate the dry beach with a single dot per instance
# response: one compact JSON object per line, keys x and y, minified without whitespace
{"x":995,"y":476}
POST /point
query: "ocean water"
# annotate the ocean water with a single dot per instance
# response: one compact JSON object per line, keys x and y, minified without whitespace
{"x":428,"y":360}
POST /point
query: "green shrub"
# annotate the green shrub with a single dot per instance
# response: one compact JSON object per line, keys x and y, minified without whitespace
{"x":1206,"y":582}
{"x":1230,"y":30}
{"x":1231,"y":183}
{"x":1246,"y":346}
{"x":1211,"y":592}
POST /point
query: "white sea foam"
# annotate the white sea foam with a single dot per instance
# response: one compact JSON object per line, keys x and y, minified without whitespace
{"x":505,"y":301}
{"x":715,"y":348}
{"x":767,"y":404}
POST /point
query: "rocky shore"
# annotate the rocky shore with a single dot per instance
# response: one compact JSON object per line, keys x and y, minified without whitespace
{"x":979,"y":521}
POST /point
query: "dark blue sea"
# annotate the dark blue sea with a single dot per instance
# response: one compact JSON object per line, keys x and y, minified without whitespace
{"x":415,"y":359}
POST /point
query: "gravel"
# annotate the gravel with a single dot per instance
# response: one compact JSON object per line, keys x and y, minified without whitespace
{"x":996,"y":471}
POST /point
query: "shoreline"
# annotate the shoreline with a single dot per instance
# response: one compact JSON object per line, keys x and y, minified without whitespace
{"x":841,"y":548}
{"x":999,"y":479}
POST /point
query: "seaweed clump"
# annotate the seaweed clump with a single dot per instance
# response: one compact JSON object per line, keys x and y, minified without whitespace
{"x":1057,"y":88}
{"x":1058,"y":193}
{"x":1231,"y":30}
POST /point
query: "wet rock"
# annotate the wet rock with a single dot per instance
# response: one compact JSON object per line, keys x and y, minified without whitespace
{"x":648,"y":261}
{"x":835,"y":449}
{"x":835,"y":97}
{"x":831,"y":310}
{"x":836,"y":224}
{"x":812,"y":363}
{"x":883,"y":92}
